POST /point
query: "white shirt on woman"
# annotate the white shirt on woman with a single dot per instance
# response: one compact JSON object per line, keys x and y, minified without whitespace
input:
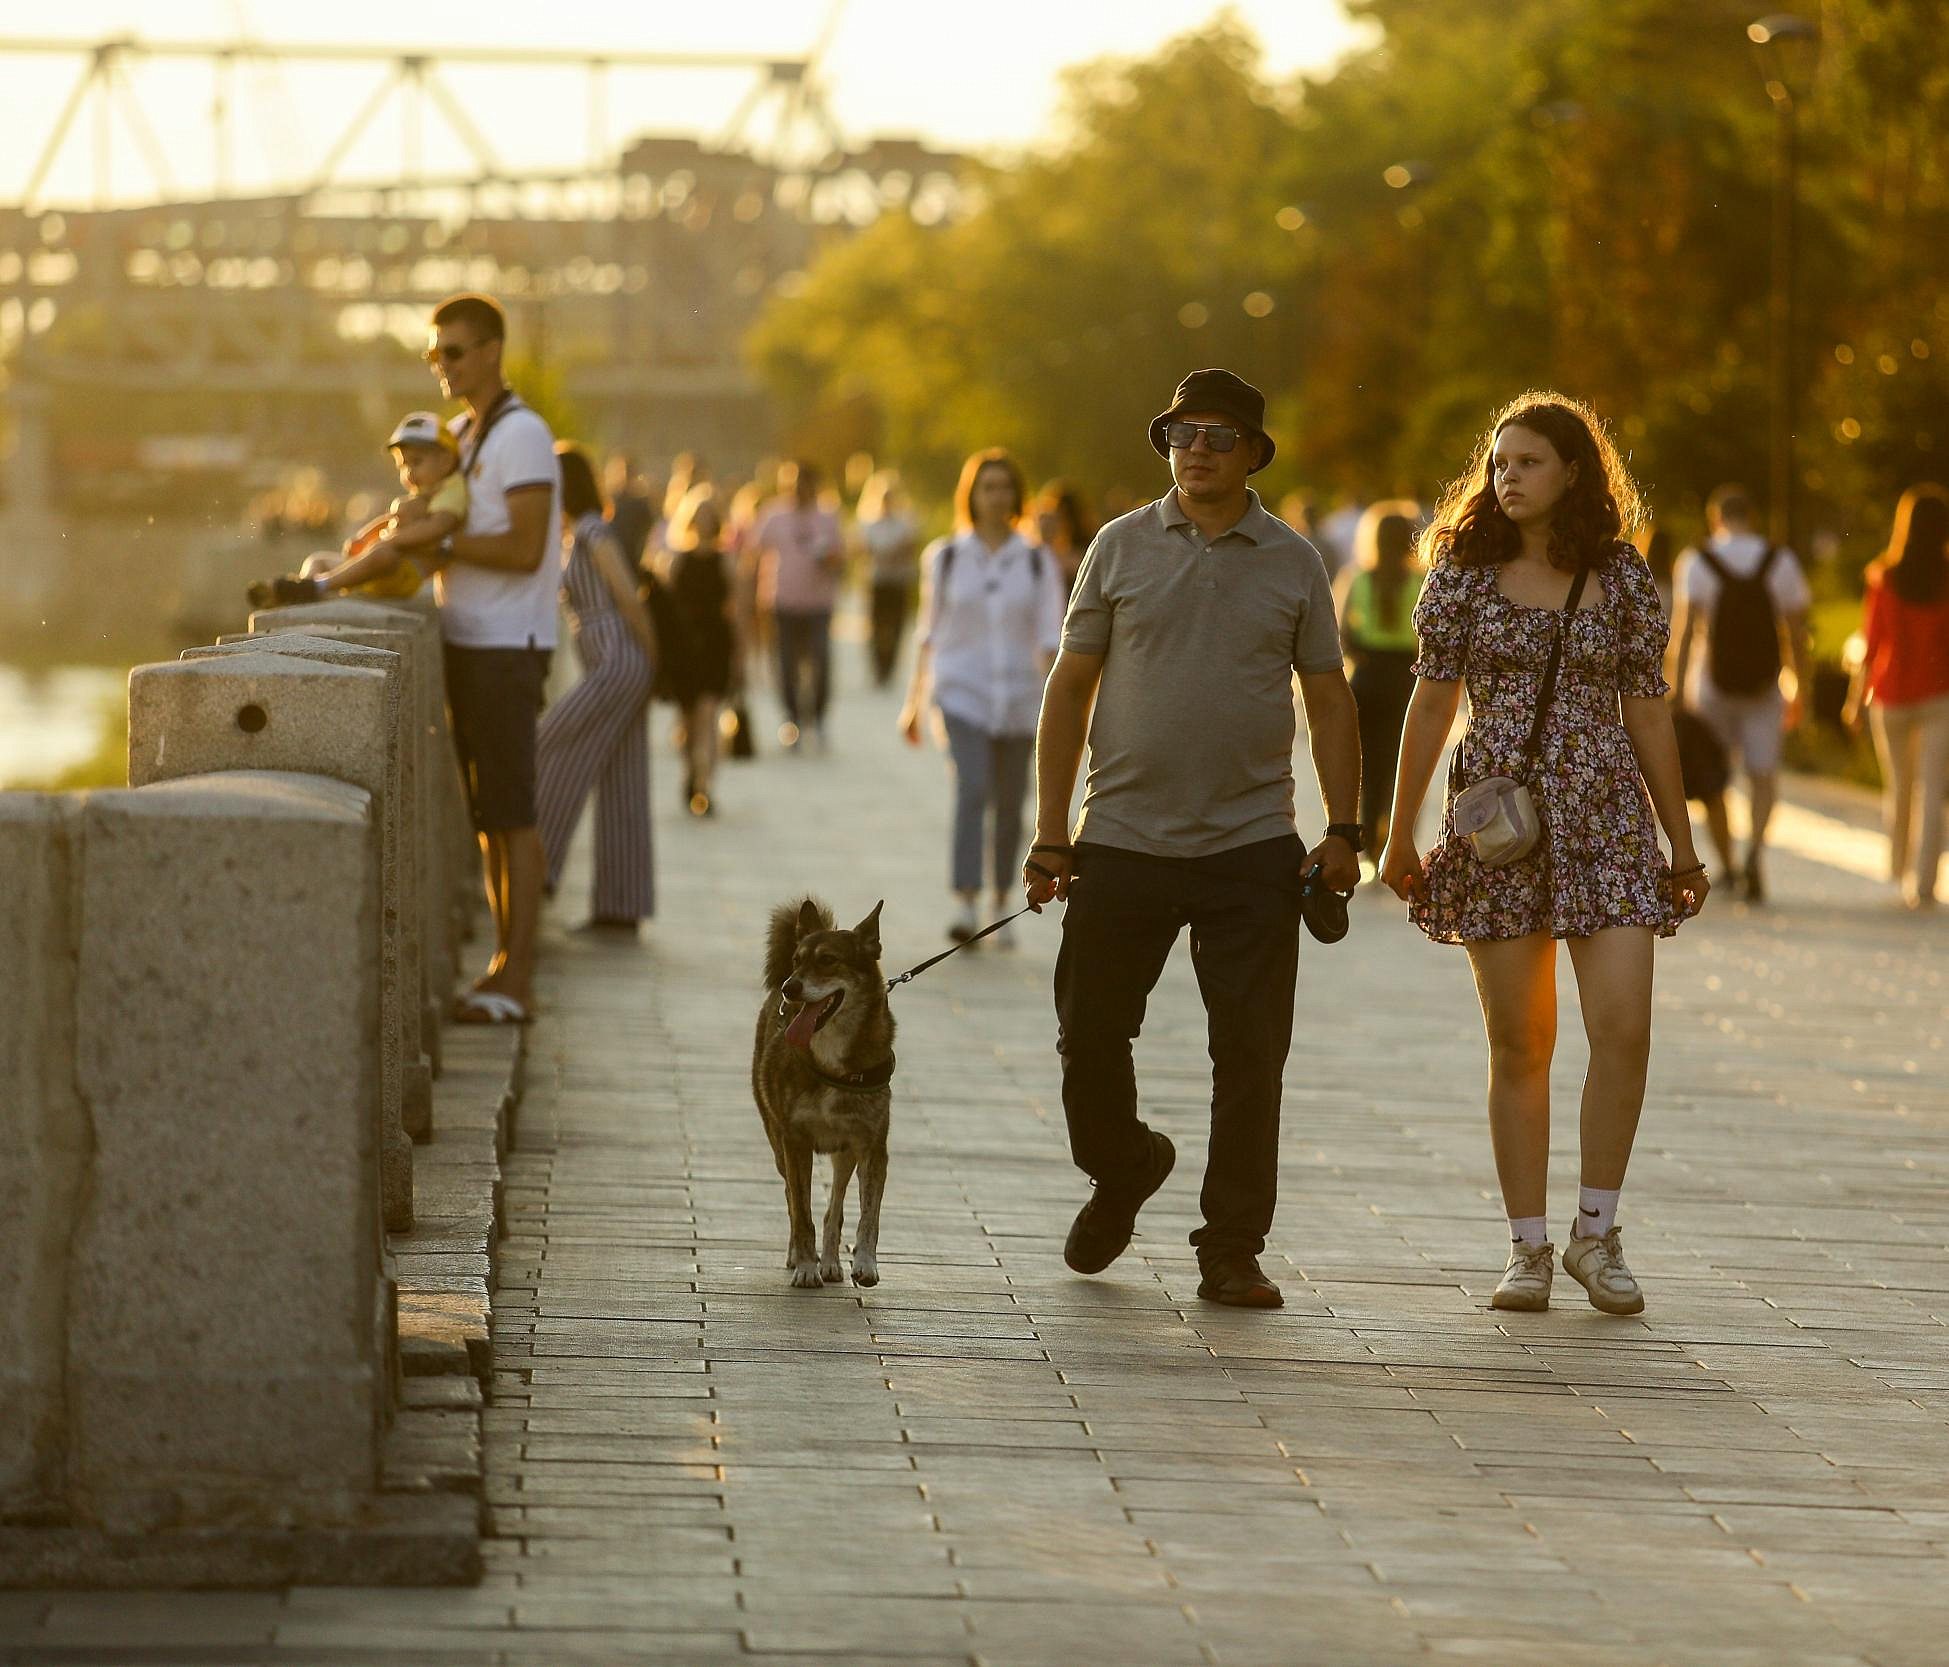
{"x":991,"y":624}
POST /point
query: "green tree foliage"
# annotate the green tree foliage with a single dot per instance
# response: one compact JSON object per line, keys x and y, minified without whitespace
{"x":1583,"y":201}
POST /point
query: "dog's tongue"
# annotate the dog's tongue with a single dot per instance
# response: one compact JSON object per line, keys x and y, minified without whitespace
{"x":806,"y":1020}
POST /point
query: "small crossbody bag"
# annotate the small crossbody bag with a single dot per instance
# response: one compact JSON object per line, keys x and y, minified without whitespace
{"x":1498,"y":815}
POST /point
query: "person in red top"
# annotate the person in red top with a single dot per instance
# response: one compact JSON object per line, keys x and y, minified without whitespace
{"x":1903,"y":683}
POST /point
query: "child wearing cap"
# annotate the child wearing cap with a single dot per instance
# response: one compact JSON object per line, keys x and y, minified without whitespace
{"x":392,"y":554}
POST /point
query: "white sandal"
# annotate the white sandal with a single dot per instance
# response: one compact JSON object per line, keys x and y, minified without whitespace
{"x":488,"y":1007}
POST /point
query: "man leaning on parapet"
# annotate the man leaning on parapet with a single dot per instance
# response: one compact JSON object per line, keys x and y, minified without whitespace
{"x":497,"y":591}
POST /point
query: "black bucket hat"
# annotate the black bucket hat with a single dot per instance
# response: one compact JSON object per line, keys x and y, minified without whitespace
{"x":1221,"y":391}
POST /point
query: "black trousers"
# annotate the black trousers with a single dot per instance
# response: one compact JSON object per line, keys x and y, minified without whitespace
{"x":1124,"y":913}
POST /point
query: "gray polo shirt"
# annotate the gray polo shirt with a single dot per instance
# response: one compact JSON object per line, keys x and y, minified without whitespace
{"x":1191,"y":743}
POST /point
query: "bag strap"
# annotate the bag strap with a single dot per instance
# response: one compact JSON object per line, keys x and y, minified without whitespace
{"x":1037,"y":553}
{"x":504,"y":402}
{"x":1549,"y":675}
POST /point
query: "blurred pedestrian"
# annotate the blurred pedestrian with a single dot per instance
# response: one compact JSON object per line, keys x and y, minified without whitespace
{"x":698,"y":573}
{"x":1062,"y":522}
{"x":1536,"y":602}
{"x":687,"y":469}
{"x":1662,"y":559}
{"x":1189,"y":621}
{"x":632,"y":512}
{"x":800,"y":558}
{"x":496,"y":594}
{"x":751,"y":643}
{"x":1377,"y":592}
{"x":596,"y":738}
{"x":1333,"y":535}
{"x":892,"y":538}
{"x":991,"y":622}
{"x":1903,"y":683}
{"x":1746,"y":601}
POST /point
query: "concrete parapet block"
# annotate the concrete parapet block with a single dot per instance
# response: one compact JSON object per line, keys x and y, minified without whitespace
{"x":45,"y":1146}
{"x":388,"y":652}
{"x":411,"y":626}
{"x":224,"y":1275}
{"x":285,"y":712}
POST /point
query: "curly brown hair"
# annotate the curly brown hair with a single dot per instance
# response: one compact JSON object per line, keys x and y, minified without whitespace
{"x":1602,"y":505}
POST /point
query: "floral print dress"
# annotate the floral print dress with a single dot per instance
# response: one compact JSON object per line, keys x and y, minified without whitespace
{"x":1598,"y":863}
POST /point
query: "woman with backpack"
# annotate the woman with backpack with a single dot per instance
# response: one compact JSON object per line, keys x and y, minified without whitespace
{"x":1903,"y":684}
{"x":1555,"y":797}
{"x":990,"y":625}
{"x":1376,"y":594}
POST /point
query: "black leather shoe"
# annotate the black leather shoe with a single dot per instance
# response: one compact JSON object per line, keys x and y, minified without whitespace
{"x":1102,"y":1228}
{"x":1238,"y":1282}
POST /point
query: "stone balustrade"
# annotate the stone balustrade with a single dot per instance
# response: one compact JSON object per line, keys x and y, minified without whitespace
{"x":227,"y":987}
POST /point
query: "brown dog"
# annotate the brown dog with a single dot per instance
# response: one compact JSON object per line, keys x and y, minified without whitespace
{"x":821,"y":1070}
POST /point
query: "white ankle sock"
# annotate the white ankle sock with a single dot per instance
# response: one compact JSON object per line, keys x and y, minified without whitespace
{"x":1529,"y":1230}
{"x":1596,"y":1211}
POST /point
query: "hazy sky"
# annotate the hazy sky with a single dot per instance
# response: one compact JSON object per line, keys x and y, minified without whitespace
{"x":971,"y":77}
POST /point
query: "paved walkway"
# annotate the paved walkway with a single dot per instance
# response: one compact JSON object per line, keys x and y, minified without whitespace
{"x":988,"y":1460}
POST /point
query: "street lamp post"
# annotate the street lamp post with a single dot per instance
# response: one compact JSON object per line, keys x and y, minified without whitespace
{"x":1785,"y":42}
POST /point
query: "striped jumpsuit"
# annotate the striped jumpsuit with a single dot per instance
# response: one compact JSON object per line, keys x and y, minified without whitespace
{"x":598,"y":737}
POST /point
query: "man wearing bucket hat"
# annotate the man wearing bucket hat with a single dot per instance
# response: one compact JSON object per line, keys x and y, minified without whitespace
{"x":1190,"y":618}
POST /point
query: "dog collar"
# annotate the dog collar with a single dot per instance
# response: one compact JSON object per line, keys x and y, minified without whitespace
{"x":859,"y":1082}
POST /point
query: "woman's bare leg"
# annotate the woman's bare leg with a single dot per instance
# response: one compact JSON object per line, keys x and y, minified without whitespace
{"x":1613,"y":970}
{"x":703,"y":743}
{"x":1516,"y":981}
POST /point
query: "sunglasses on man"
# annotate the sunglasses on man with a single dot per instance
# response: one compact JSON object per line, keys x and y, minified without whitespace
{"x":1183,"y":436}
{"x":450,"y":352}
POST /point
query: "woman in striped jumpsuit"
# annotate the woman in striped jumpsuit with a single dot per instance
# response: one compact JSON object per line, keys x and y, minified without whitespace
{"x":597,"y":737}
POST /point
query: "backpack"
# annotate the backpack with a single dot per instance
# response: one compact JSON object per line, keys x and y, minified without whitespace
{"x":1745,"y":637}
{"x":1036,"y":554}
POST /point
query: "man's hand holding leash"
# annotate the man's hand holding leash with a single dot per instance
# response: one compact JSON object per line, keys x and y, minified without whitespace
{"x":1047,"y":872}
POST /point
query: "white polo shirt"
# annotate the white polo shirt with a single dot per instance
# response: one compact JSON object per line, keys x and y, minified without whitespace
{"x":483,"y":608}
{"x":990,"y":625}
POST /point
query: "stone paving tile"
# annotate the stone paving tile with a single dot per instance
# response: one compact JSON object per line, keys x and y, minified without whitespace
{"x":987,"y":1460}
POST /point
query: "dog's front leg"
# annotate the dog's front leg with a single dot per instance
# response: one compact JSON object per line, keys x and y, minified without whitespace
{"x":842,"y":1173}
{"x":802,"y":1254}
{"x":866,"y":1242}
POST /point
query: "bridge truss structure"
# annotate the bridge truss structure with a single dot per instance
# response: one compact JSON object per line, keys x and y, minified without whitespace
{"x":237,"y":332}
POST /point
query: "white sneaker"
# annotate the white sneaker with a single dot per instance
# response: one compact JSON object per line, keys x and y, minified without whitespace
{"x":1525,"y":1282}
{"x":963,"y":926}
{"x":1004,"y":936}
{"x":1598,"y":1266}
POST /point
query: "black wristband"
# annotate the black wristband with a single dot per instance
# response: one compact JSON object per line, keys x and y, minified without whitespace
{"x":1351,"y":832}
{"x":1061,"y":850}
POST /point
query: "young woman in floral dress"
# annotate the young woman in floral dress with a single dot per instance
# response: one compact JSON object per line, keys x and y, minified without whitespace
{"x":1545,"y":496}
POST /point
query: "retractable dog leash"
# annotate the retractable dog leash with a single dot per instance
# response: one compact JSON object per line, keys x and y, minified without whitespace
{"x":912,"y":973}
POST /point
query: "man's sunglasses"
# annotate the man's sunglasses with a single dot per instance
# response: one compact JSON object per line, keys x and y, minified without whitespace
{"x":449,"y":351}
{"x":1183,"y":436}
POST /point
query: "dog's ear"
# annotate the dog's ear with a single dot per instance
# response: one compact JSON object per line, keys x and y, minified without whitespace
{"x":869,"y":928}
{"x":809,"y":920}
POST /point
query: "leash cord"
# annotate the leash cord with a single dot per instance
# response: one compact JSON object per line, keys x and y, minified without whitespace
{"x":912,"y":973}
